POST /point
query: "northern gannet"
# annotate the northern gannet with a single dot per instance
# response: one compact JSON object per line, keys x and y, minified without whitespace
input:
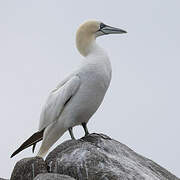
{"x":79,"y":95}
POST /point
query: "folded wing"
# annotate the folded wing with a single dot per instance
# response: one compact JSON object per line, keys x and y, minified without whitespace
{"x":57,"y":100}
{"x":52,"y":109}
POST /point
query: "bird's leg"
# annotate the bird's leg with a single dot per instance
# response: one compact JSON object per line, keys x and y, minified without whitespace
{"x":85,"y":129}
{"x":71,"y":133}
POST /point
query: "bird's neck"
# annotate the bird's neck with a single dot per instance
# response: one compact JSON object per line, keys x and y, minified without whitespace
{"x":93,"y":53}
{"x":85,"y":42}
{"x":96,"y":56}
{"x":95,"y":50}
{"x":88,"y":46}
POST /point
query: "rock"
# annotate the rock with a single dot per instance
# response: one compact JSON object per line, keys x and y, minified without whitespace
{"x":28,"y":168}
{"x":98,"y":157}
{"x":52,"y":176}
{"x":3,"y":179}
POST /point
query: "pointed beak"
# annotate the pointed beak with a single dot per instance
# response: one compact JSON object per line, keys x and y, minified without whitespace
{"x":112,"y":30}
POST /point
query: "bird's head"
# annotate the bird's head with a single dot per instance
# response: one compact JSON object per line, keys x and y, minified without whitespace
{"x":89,"y":31}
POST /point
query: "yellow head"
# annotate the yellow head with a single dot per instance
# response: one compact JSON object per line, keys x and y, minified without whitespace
{"x":88,"y":31}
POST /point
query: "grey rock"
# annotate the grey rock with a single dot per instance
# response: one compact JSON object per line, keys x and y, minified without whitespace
{"x":98,"y":157}
{"x":52,"y":176}
{"x":28,"y":168}
{"x":3,"y":179}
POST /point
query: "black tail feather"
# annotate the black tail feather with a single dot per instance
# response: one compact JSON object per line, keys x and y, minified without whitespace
{"x":36,"y":137}
{"x":33,"y":148}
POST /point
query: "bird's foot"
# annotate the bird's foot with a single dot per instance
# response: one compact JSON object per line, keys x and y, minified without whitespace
{"x":71,"y":133}
{"x":84,"y":125}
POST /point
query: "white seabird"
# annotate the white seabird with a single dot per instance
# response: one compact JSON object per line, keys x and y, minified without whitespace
{"x":79,"y":95}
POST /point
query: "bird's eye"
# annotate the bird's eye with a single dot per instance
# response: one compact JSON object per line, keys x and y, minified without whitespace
{"x":102,"y":25}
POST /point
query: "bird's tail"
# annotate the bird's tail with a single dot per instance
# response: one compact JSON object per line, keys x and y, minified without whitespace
{"x":36,"y":137}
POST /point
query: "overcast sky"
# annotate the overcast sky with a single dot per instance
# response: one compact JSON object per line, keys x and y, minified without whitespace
{"x":142,"y":106}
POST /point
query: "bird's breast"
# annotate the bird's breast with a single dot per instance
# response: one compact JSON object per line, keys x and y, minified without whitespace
{"x":95,"y":81}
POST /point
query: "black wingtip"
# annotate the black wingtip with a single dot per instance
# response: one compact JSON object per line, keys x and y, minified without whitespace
{"x":14,"y":153}
{"x":17,"y":151}
{"x":36,"y":137}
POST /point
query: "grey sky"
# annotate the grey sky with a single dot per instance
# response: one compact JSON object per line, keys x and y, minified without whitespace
{"x":141,"y":107}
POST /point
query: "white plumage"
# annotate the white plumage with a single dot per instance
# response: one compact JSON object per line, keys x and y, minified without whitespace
{"x":78,"y":96}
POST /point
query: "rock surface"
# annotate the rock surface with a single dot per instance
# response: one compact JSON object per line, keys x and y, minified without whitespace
{"x":28,"y":168}
{"x":52,"y":176}
{"x":98,"y":157}
{"x":94,"y":157}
